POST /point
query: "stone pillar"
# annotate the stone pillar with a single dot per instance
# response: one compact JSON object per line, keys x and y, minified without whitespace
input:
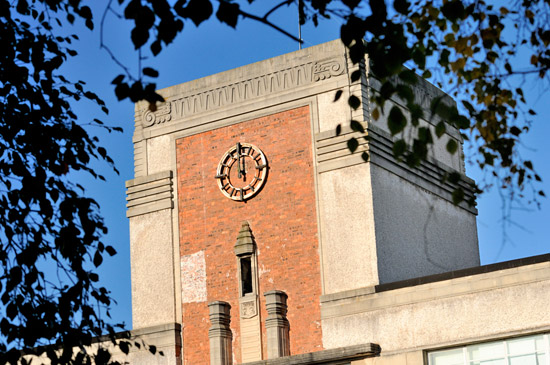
{"x":276,"y":324}
{"x":220,"y":334}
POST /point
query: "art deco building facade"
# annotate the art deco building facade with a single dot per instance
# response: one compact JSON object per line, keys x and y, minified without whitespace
{"x":258,"y":237}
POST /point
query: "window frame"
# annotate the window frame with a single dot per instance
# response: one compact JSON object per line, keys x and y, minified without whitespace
{"x":505,"y":355}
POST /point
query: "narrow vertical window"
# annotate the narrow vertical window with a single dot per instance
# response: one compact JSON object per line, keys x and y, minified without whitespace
{"x":249,"y":313}
{"x":246,"y":276}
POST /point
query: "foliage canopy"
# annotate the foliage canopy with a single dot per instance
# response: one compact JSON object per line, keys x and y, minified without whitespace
{"x":469,"y":48}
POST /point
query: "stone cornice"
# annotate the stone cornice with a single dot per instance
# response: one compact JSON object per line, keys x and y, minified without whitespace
{"x":220,"y":95}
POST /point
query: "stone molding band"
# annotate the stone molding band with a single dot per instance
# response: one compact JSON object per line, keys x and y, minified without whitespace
{"x":149,"y":194}
{"x":332,"y":153}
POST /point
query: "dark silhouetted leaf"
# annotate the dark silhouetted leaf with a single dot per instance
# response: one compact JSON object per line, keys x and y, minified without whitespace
{"x":452,"y":146}
{"x":228,"y":13}
{"x":352,"y":144}
{"x":147,"y":71}
{"x":396,"y":120}
{"x":354,"y":102}
{"x":356,"y":126}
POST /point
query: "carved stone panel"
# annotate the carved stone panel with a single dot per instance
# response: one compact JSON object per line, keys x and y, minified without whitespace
{"x":245,"y":90}
{"x":248,"y":308}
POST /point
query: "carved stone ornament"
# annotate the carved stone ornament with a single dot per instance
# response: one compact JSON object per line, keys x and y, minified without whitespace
{"x":162,"y":115}
{"x":242,"y":172}
{"x":248,"y":308}
{"x":326,"y":69}
{"x":245,"y":90}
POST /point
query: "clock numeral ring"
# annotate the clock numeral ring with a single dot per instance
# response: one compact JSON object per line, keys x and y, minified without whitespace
{"x":246,"y":163}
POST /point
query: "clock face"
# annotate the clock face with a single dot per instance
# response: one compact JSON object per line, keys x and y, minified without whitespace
{"x":242,"y":172}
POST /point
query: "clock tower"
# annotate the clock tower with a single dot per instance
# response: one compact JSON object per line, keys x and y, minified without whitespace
{"x":248,"y":211}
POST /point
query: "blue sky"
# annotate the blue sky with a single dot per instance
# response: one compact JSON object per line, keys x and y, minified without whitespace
{"x":214,"y":47}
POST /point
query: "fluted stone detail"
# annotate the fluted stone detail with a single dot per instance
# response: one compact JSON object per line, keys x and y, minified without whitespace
{"x":245,"y":241}
{"x":220,"y":333}
{"x":276,"y":324}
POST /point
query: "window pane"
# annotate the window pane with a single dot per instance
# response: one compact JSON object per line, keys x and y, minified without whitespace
{"x":490,"y":362}
{"x":486,"y":351}
{"x":520,"y":346}
{"x":539,"y":340}
{"x":246,"y":276}
{"x":524,"y":360}
{"x":529,"y":350}
{"x":448,"y":357}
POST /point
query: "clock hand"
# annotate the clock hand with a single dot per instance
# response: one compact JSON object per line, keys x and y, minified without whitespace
{"x":243,"y":169}
{"x":238,"y":147}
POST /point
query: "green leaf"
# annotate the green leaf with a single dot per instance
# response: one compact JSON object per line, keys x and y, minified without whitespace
{"x":356,"y":126}
{"x":228,"y":13}
{"x":337,"y":95}
{"x":440,"y":129}
{"x":110,"y":250}
{"x":452,"y":146}
{"x":197,"y":10}
{"x":458,"y":196}
{"x":148,"y":71}
{"x":353,"y":144}
{"x":354,"y":102}
{"x":338,"y":129}
{"x":408,"y":76}
{"x":515,"y":131}
{"x":396,"y":120}
{"x":117,"y":80}
{"x":139,"y":36}
{"x":454,"y":177}
{"x":405,"y":92}
{"x":355,"y":75}
{"x":399,"y":148}
{"x":98,"y":259}
{"x":365,"y":156}
{"x":124,"y":347}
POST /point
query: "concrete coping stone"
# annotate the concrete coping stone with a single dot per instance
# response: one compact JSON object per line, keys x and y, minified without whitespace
{"x":326,"y":357}
{"x":463,"y":272}
{"x":140,"y":332}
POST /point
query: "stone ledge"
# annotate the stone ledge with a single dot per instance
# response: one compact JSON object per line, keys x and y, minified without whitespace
{"x":488,"y":278}
{"x":149,"y":194}
{"x":149,"y":178}
{"x":326,"y":357}
{"x":464,"y":272}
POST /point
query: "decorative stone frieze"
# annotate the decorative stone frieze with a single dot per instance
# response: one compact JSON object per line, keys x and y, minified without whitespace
{"x":241,"y":91}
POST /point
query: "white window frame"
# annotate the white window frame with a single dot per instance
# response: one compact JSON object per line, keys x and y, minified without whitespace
{"x":507,"y":357}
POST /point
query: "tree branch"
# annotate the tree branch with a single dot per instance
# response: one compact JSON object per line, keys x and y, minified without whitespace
{"x":268,"y":23}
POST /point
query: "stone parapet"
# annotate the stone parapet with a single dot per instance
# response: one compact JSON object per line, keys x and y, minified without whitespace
{"x":443,"y":313}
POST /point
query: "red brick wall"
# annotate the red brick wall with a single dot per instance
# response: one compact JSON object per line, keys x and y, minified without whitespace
{"x":282,"y":218}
